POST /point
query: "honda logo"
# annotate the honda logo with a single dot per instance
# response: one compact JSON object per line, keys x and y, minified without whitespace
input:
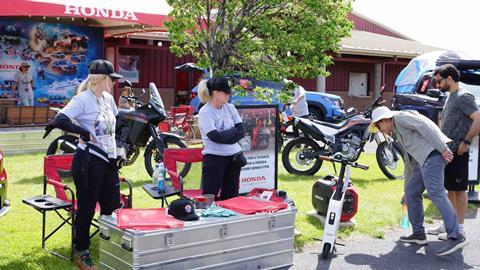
{"x":100,"y":12}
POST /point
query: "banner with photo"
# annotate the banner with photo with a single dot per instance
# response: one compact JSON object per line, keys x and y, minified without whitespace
{"x":128,"y":67}
{"x":259,"y":147}
{"x":58,"y":55}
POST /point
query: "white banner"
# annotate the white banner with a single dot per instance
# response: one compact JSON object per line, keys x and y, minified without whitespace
{"x":259,"y":147}
{"x":473,"y":160}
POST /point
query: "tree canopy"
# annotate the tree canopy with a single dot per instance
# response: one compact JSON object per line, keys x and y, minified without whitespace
{"x":265,"y":39}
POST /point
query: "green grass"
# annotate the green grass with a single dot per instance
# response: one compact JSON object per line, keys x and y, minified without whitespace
{"x":20,"y":229}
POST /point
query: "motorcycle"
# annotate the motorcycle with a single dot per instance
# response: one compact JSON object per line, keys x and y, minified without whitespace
{"x":135,"y":128}
{"x":343,"y":141}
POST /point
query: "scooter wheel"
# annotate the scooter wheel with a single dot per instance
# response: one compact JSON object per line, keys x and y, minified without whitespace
{"x":326,"y":250}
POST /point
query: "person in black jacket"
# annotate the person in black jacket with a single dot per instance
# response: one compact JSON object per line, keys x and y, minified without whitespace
{"x":221,"y":128}
{"x":94,"y":168}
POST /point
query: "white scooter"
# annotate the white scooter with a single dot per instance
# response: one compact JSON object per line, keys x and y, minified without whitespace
{"x":335,"y":205}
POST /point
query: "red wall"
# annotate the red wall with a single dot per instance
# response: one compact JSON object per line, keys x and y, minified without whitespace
{"x":340,"y":72}
{"x":391,"y":73}
{"x":156,"y":65}
{"x":364,"y":25}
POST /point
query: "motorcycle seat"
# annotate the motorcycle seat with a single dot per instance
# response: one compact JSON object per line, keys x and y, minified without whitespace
{"x":331,"y":125}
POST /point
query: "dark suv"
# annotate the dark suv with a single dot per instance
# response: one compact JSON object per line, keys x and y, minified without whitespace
{"x":429,"y":101}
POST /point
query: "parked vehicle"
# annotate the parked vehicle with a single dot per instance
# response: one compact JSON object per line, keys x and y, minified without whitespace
{"x":342,"y":141}
{"x":321,"y":106}
{"x":4,"y":202}
{"x":415,"y":87}
{"x":135,"y":128}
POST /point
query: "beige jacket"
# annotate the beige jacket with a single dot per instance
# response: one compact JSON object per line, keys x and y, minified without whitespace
{"x":419,"y":136}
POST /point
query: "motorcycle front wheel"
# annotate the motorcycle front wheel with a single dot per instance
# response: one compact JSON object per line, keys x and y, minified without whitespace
{"x":390,"y":160}
{"x":292,"y":158}
{"x":65,"y":144}
{"x":154,"y":155}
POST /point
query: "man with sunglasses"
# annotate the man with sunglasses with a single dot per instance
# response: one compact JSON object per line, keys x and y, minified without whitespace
{"x":461,"y":123}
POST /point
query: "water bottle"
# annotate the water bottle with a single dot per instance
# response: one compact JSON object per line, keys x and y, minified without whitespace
{"x":161,"y":178}
{"x":404,"y":222}
{"x":155,"y":176}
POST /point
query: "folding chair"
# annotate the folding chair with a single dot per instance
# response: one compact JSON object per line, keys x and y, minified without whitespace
{"x":56,"y":167}
{"x":182,"y":119}
{"x":186,"y":155}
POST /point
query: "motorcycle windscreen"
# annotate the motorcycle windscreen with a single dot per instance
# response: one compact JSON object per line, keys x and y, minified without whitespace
{"x":155,"y":96}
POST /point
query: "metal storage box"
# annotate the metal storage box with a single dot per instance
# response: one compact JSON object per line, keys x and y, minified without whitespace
{"x":262,"y":241}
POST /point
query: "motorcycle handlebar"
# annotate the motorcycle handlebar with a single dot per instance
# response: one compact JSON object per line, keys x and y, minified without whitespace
{"x":353,"y":164}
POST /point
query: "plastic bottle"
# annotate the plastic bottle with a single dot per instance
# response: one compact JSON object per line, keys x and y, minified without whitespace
{"x":161,"y":177}
{"x":404,"y":222}
{"x":155,"y":176}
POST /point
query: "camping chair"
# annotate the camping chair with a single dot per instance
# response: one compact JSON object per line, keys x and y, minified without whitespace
{"x":182,"y":119}
{"x":56,"y":167}
{"x":187,"y":155}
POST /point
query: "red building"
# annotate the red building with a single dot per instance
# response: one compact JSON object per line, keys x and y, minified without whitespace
{"x":369,"y":59}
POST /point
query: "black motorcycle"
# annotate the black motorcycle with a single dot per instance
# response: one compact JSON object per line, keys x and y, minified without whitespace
{"x":344,"y":141}
{"x":135,"y":128}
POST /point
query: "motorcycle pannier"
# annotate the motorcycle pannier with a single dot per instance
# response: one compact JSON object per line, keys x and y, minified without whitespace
{"x":322,"y":191}
{"x":139,"y":133}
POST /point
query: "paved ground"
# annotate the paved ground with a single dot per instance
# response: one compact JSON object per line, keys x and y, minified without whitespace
{"x":363,"y":252}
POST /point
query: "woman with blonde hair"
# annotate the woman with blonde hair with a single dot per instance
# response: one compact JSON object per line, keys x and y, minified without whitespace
{"x":94,"y":168}
{"x":221,"y":128}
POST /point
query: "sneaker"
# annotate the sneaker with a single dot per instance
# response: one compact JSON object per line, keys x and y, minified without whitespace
{"x":453,"y":245}
{"x":83,"y":262}
{"x":419,"y":239}
{"x":444,"y":237}
{"x":440,"y":228}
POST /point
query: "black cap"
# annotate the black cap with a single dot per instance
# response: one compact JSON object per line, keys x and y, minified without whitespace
{"x":182,"y":209}
{"x":101,"y":66}
{"x":220,"y":84}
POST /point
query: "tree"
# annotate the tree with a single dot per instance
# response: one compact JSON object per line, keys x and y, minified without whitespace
{"x":263,"y":39}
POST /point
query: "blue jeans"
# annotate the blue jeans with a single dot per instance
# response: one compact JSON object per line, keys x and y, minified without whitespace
{"x":430,"y":176}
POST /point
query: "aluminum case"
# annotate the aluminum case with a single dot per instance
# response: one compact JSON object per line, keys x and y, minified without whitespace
{"x":261,"y":241}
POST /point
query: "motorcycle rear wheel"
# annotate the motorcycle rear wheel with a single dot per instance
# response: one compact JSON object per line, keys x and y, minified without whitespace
{"x":390,"y":168}
{"x":154,"y":155}
{"x":57,"y":148}
{"x":294,"y":164}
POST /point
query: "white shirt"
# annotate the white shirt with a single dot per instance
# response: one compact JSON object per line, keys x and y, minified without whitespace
{"x":210,"y":119}
{"x":301,"y":108}
{"x":97,"y":115}
{"x":24,"y":83}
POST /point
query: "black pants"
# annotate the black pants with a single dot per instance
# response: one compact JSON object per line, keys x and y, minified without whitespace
{"x":101,"y":185}
{"x":456,"y":173}
{"x":219,"y":172}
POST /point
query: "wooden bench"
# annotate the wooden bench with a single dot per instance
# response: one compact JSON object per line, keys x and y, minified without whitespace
{"x":27,"y":115}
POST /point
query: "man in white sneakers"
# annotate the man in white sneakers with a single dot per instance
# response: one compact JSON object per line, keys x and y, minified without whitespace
{"x":461,"y":123}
